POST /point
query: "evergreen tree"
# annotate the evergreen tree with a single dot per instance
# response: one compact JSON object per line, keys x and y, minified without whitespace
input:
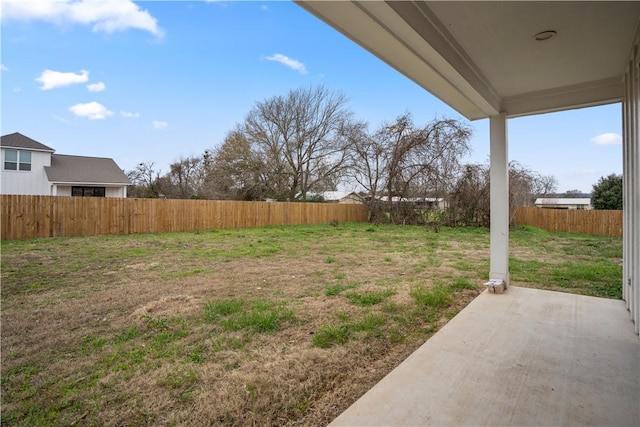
{"x":607,"y":193}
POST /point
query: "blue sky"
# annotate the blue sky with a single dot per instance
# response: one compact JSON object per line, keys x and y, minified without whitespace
{"x":153,"y":81}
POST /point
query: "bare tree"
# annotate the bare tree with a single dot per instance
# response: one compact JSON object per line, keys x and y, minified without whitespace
{"x":525,"y":185}
{"x":144,"y":181}
{"x":403,"y":160}
{"x":469,"y":203}
{"x":238,"y":172}
{"x":367,"y":163}
{"x":545,"y":184}
{"x":184,"y":179}
{"x":470,"y":197}
{"x":435,"y":161}
{"x":299,"y":137}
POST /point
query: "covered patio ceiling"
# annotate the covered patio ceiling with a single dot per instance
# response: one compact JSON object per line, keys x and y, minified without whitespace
{"x":482,"y":58}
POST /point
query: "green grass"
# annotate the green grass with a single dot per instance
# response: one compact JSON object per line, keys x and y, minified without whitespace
{"x":129,"y":334}
{"x":460,"y":283}
{"x":342,"y":285}
{"x":328,"y":336}
{"x":368,"y":326}
{"x":334,"y":290}
{"x":187,"y":273}
{"x":370,"y":322}
{"x":464,"y":266}
{"x":430,"y":263}
{"x":438,"y":296}
{"x":256,"y":316}
{"x":598,"y":277}
{"x":246,"y":303}
{"x":364,"y":299}
{"x":213,"y":310}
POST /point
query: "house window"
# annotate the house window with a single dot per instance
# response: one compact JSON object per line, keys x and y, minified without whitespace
{"x":88,"y":191}
{"x":17,"y":160}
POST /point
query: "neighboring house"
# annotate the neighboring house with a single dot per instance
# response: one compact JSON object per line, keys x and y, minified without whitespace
{"x":342,"y":197}
{"x":428,"y":203}
{"x":436,"y":203}
{"x":563,"y":203}
{"x":29,"y":167}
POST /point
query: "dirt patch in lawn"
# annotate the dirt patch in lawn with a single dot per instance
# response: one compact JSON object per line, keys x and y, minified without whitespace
{"x":170,"y":306}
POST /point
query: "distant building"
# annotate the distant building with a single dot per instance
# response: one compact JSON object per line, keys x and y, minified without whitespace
{"x":32,"y":168}
{"x":563,"y":203}
{"x":435,"y":203}
{"x":343,"y":197}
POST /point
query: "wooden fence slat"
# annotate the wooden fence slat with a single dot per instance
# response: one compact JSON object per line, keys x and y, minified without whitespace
{"x":596,"y":222}
{"x":25,"y":217}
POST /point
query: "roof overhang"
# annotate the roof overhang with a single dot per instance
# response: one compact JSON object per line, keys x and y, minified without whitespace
{"x":10,"y":147}
{"x":91,"y":184}
{"x":481,"y":58}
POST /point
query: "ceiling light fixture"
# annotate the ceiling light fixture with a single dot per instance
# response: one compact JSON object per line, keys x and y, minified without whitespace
{"x":544,"y":35}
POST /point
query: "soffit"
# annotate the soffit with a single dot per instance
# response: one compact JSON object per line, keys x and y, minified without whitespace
{"x":481,"y":57}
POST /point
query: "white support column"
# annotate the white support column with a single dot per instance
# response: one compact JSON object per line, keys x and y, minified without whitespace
{"x":499,"y":175}
{"x":626,"y":187}
{"x":633,"y":205}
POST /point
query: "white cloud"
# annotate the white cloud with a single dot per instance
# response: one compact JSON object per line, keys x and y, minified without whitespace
{"x":3,"y":67}
{"x":289,"y":62}
{"x":129,"y":115}
{"x":264,"y":7}
{"x":607,"y":139}
{"x":106,"y":15}
{"x":52,"y":79}
{"x":96,"y":87}
{"x":159,"y":124}
{"x":91,"y":110}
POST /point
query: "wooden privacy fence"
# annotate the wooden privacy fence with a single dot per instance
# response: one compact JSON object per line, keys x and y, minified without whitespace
{"x":602,"y":223}
{"x":54,"y":216}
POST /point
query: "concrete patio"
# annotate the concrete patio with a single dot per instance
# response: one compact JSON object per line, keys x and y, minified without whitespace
{"x":524,"y":358}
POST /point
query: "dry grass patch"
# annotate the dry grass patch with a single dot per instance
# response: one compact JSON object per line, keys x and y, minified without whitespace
{"x":269,"y":326}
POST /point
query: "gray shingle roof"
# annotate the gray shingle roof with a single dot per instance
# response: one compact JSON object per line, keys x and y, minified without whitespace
{"x":87,"y":170}
{"x":17,"y":140}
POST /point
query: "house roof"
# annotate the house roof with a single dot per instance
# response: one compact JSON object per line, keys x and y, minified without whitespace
{"x":336,"y":195}
{"x":562,"y":201}
{"x":85,"y":170}
{"x":17,"y":140}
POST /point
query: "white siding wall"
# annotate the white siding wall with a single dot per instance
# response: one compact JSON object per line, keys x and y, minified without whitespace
{"x":116,"y":192}
{"x":32,"y":182}
{"x":61,"y":190}
{"x":631,"y":183}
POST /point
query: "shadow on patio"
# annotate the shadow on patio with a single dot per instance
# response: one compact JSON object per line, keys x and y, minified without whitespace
{"x":526,"y":357}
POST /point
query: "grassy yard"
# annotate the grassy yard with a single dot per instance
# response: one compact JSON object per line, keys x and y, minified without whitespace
{"x":268,"y":326}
